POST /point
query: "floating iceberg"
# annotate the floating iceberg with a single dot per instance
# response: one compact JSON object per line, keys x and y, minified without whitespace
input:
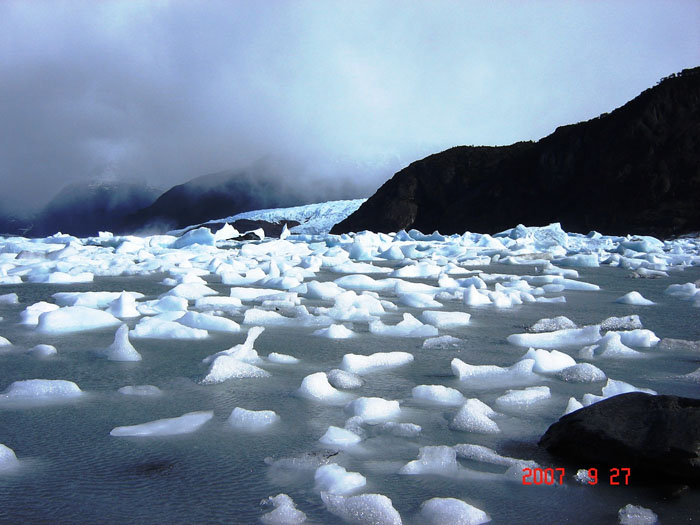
{"x":75,"y":319}
{"x":252,"y":420}
{"x":184,"y":424}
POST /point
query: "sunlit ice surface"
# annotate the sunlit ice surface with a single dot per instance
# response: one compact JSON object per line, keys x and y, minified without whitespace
{"x":339,"y":371}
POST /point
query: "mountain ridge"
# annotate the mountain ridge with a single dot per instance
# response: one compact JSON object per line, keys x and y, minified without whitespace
{"x":634,"y":170}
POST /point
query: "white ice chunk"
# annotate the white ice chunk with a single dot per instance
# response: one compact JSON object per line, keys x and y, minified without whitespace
{"x":581,"y":373}
{"x":580,"y":260}
{"x":124,"y":306}
{"x":363,"y":364}
{"x":612,"y":388}
{"x":41,"y":350}
{"x":611,"y":345}
{"x":682,"y":291}
{"x":202,"y":236}
{"x":627,"y":322}
{"x":216,"y":303}
{"x":437,"y":394}
{"x":550,"y":325}
{"x":282,"y":359}
{"x":140,"y":390}
{"x":9,"y":298}
{"x":487,"y":455}
{"x":639,"y":337}
{"x":523,"y":399}
{"x":190,"y":291}
{"x":634,"y":298}
{"x":374,"y":409}
{"x":636,"y":515}
{"x":335,"y":331}
{"x":334,"y":479}
{"x":121,"y":349}
{"x":438,"y":460}
{"x":284,"y":513}
{"x":244,"y":351}
{"x":339,"y":437}
{"x":400,"y":429}
{"x":226,"y":232}
{"x":30,"y":315}
{"x":572,"y":406}
{"x":547,"y":362}
{"x":475,"y":416}
{"x":209,"y":322}
{"x":326,"y":291}
{"x":451,"y":511}
{"x":582,"y":476}
{"x":62,"y":278}
{"x":365,"y":509}
{"x":75,"y":319}
{"x":184,"y":424}
{"x":151,"y":327}
{"x":169,"y":303}
{"x":41,"y":389}
{"x":522,"y":370}
{"x":445,"y":319}
{"x":227,"y":367}
{"x":473,"y":297}
{"x":365,"y":282}
{"x":418,"y":300}
{"x":346,"y":380}
{"x":252,"y":420}
{"x":317,"y":388}
{"x":266,"y":318}
{"x":549,"y":340}
{"x":408,"y":327}
{"x":441,"y":341}
{"x":8,"y":459}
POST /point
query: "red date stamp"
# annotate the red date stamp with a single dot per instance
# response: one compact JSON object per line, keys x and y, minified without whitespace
{"x":550,"y":476}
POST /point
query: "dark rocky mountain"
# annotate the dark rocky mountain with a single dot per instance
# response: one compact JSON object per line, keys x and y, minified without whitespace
{"x":215,"y":196}
{"x":656,"y":437}
{"x":635,"y":170}
{"x":84,"y":209}
{"x":13,"y":224}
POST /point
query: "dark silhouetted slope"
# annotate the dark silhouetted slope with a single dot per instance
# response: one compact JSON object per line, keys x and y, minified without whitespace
{"x":84,"y":209}
{"x":635,"y":170}
{"x":214,"y":196}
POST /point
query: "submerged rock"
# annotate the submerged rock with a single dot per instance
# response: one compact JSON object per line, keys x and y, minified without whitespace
{"x":656,"y":437}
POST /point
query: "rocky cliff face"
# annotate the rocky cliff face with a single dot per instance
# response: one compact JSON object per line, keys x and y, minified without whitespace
{"x":635,"y":170}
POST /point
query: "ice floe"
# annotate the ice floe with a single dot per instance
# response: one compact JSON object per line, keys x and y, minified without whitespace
{"x":284,"y":512}
{"x":451,"y":511}
{"x":40,"y":390}
{"x":334,"y":479}
{"x":365,"y":509}
{"x":184,"y":424}
{"x":374,"y":409}
{"x":121,"y":349}
{"x":252,"y":420}
{"x":317,"y":388}
{"x":364,"y":364}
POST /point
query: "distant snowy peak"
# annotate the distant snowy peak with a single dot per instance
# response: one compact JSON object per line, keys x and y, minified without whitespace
{"x":312,"y":218}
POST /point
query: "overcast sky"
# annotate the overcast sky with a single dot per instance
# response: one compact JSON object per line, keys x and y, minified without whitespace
{"x":165,"y":91}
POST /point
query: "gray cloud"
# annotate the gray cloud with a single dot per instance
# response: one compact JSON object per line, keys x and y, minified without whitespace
{"x":166,"y":91}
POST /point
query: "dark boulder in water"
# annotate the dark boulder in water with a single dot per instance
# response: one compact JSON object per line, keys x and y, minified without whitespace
{"x":635,"y":170}
{"x":656,"y":436}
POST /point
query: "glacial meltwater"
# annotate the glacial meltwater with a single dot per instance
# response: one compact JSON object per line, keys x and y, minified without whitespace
{"x":102,"y":437}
